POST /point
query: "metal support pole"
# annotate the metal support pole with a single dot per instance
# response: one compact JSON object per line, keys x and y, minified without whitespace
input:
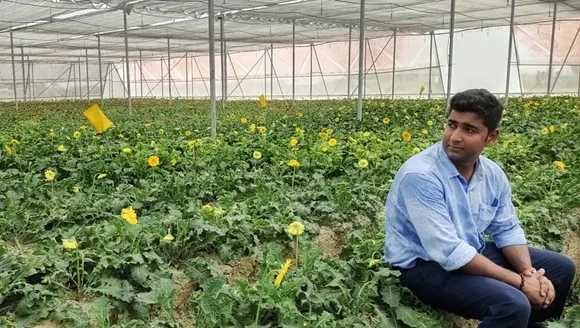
{"x":74,"y":76}
{"x":28,"y":84}
{"x":450,"y":58}
{"x":169,"y":69}
{"x":394,"y":69}
{"x":366,"y":72}
{"x":186,"y":77}
{"x":33,"y":85}
{"x":311,"y":62}
{"x":223,"y":62}
{"x":23,"y":73}
{"x":141,"y":71}
{"x":349,"y":59}
{"x":100,"y":68}
{"x":549,"y":92}
{"x":128,"y":79}
{"x":510,"y":46}
{"x":565,"y":59}
{"x":162,"y":88}
{"x":265,"y":72}
{"x":430,"y":62}
{"x":271,"y":71}
{"x":361,"y":49}
{"x":87,"y":65}
{"x":211,"y":28}
{"x":293,"y":63}
{"x":80,"y":80}
{"x":13,"y":69}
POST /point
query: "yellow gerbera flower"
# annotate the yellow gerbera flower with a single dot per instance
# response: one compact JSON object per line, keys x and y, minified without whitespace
{"x":257,"y":155}
{"x":300,"y":115}
{"x":299,"y":131}
{"x":296,"y":228}
{"x":363,"y":163}
{"x":15,"y":142}
{"x":153,"y":161}
{"x":560,"y":165}
{"x":425,"y":131}
{"x":262,"y":129}
{"x":386,"y":120}
{"x":69,"y":243}
{"x":207,"y":208}
{"x":293,"y":142}
{"x":552,"y":128}
{"x":283,"y":271}
{"x":101,"y":176}
{"x":323,"y":135}
{"x":545,"y":131}
{"x":127,"y":150}
{"x":324,"y":149}
{"x":187,"y":133}
{"x":430,"y":123}
{"x":129,"y":215}
{"x":161,"y":131}
{"x":293,"y":163}
{"x":416,"y":150}
{"x":76,"y":189}
{"x":49,"y":175}
{"x":8,"y":149}
{"x":332,"y":142}
{"x":406,"y":136}
{"x":252,"y":128}
{"x":61,"y":148}
{"x":77,"y":134}
{"x":373,"y":262}
{"x":168,"y":237}
{"x":173,"y":162}
{"x":244,"y":120}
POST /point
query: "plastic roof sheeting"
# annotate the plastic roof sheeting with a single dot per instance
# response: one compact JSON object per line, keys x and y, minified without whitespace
{"x":61,"y":30}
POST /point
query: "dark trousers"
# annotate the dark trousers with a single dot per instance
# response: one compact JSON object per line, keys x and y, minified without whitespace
{"x":495,"y":303}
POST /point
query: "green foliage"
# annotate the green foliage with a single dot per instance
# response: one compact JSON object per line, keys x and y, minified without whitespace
{"x":228,"y":210}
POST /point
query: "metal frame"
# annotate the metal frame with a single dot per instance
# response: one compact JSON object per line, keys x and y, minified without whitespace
{"x":450,"y":58}
{"x":127,"y":79}
{"x":13,"y":69}
{"x":549,"y":86}
{"x":361,"y":49}
{"x":211,"y":22}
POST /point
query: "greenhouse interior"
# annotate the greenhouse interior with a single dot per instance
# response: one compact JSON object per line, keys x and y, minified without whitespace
{"x":227,"y":163}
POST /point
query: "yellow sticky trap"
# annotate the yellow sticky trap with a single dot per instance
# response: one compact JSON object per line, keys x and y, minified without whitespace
{"x":262,"y":99}
{"x":97,"y":118}
{"x":421,"y":90}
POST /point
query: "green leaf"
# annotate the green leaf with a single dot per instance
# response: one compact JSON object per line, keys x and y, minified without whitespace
{"x":410,"y":317}
{"x":391,"y":295}
{"x":116,"y":288}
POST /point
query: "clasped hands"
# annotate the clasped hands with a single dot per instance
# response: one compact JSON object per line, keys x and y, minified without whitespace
{"x":538,"y":289}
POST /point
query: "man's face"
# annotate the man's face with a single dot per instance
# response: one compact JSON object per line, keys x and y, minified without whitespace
{"x":466,"y":136}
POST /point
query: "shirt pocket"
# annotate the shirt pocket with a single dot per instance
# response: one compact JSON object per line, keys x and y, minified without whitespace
{"x":486,"y":215}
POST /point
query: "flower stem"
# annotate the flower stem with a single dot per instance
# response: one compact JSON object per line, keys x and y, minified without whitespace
{"x":78,"y":275}
{"x":258,"y":312}
{"x":296,"y":248}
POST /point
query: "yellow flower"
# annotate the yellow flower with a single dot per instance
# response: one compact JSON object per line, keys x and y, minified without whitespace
{"x":299,"y":131}
{"x":8,"y":149}
{"x":83,"y":128}
{"x":257,"y":155}
{"x":147,"y":124}
{"x":262,"y":129}
{"x":173,"y":162}
{"x":61,"y":148}
{"x":187,"y":133}
{"x":296,"y":228}
{"x":101,"y":176}
{"x":366,"y":134}
{"x":77,"y":134}
{"x":52,"y":134}
{"x":430,"y":123}
{"x":49,"y":175}
{"x":293,"y":163}
{"x":416,"y":150}
{"x":324,"y":149}
{"x":70,"y":243}
{"x":252,"y":128}
{"x":406,"y":136}
{"x":218,"y":211}
{"x":153,"y":161}
{"x":207,"y":208}
{"x":337,"y":119}
{"x":121,"y":136}
{"x":161,"y":131}
{"x":373,"y":262}
{"x":545,"y":131}
{"x":127,"y":150}
{"x":332,"y":142}
{"x":425,"y":131}
{"x":293,"y":142}
{"x":168,"y":237}
{"x":363,"y":163}
{"x":244,"y":120}
{"x":300,"y":115}
{"x":552,"y":128}
{"x":506,"y":143}
{"x":76,"y":189}
{"x":129,"y":215}
{"x":323,"y":135}
{"x":560,"y":165}
{"x":283,"y":271}
{"x":15,"y":142}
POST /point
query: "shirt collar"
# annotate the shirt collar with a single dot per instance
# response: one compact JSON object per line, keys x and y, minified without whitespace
{"x":449,"y":168}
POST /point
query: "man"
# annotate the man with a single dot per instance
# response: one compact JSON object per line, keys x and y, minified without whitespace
{"x":441,"y":202}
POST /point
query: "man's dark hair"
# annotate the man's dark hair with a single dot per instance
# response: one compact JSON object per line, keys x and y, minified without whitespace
{"x":481,"y":102}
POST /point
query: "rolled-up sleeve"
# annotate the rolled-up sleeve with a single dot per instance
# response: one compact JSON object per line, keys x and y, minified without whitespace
{"x":505,"y":227}
{"x":424,"y":200}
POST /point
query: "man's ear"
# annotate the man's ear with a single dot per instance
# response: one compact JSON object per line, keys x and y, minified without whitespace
{"x":492,"y":138}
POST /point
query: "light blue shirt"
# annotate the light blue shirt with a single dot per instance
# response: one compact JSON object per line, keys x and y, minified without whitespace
{"x":433,"y":214}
